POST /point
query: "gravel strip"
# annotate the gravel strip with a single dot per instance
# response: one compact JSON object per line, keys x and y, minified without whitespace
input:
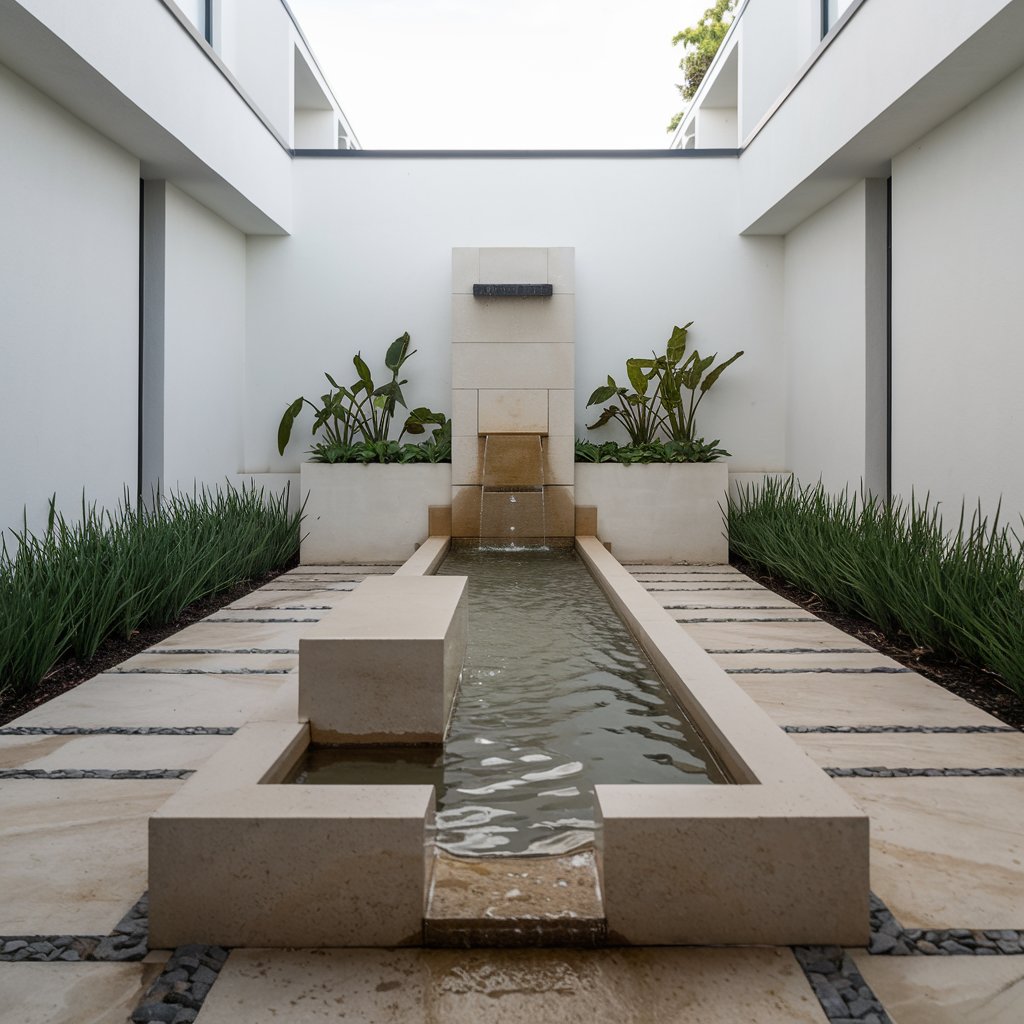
{"x":118,"y":730}
{"x":913,"y":773}
{"x":176,"y":997}
{"x":222,"y":650}
{"x":790,"y":650}
{"x":201,"y":671}
{"x":260,"y":620}
{"x":61,"y":774}
{"x":897,"y":728}
{"x":844,"y":995}
{"x":842,"y":671}
{"x":890,"y":938}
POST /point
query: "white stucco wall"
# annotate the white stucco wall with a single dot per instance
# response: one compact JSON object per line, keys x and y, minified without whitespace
{"x":371,"y":258}
{"x":958,"y":361}
{"x":69,"y":325}
{"x":825,"y":337}
{"x":204,"y":345}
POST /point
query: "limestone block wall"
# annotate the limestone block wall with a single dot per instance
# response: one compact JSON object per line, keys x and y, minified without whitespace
{"x":513,"y":374}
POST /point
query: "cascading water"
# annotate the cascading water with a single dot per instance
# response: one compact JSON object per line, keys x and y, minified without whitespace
{"x":512,"y":512}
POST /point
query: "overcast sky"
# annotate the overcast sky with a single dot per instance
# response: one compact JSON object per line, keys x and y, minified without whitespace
{"x":515,"y":74}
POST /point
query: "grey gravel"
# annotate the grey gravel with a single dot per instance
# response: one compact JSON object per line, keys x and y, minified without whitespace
{"x":178,"y":994}
{"x":118,"y":730}
{"x":897,"y":728}
{"x":836,"y":671}
{"x":63,"y":774}
{"x":845,"y":996}
{"x":909,"y":773}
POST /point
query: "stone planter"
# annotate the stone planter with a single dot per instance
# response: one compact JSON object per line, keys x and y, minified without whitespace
{"x":372,"y":513}
{"x":659,"y":513}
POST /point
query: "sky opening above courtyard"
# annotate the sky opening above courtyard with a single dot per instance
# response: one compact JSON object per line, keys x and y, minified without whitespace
{"x":502,"y":74}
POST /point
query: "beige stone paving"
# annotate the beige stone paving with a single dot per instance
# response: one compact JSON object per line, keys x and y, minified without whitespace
{"x":237,"y":633}
{"x":715,"y":600}
{"x":947,"y":990}
{"x":856,"y":699}
{"x":809,"y":632}
{"x":686,"y":570}
{"x":221,"y":663}
{"x":947,"y":852}
{"x":73,"y":854}
{"x":53,"y":753}
{"x":863,"y":660}
{"x":622,"y":986}
{"x":72,"y":993}
{"x":914,"y":750}
{"x":740,"y":615}
{"x":289,"y":600}
{"x":157,"y":700}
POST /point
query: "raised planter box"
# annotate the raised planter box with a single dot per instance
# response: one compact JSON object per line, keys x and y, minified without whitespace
{"x":660,"y":512}
{"x":372,"y":513}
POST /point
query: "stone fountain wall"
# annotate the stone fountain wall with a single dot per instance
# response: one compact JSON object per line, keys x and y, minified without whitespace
{"x":513,"y":374}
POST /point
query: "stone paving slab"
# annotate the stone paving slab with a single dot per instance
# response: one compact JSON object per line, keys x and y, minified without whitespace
{"x":55,"y":753}
{"x":72,"y":993}
{"x":233,"y":632}
{"x":713,"y":600}
{"x":946,"y":852}
{"x":622,"y":986}
{"x":288,"y":600}
{"x":219,"y":662}
{"x":914,"y":750}
{"x":368,"y":568}
{"x":740,"y":615}
{"x":810,"y":632}
{"x":859,"y":699}
{"x":73,"y":854}
{"x":687,"y":570}
{"x":947,"y":990}
{"x":864,"y":660}
{"x":164,"y":700}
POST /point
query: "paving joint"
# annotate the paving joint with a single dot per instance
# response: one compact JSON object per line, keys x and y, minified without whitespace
{"x":63,"y":774}
{"x":869,"y":729}
{"x":890,"y":938}
{"x":835,"y":671}
{"x":843,"y":993}
{"x":913,"y":773}
{"x":118,"y":730}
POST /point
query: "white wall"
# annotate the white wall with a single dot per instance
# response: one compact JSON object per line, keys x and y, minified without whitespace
{"x":69,"y":327}
{"x":958,"y":360}
{"x":775,"y":38}
{"x":371,"y":257}
{"x":257,"y":47}
{"x":204,"y":345}
{"x":829,"y":334}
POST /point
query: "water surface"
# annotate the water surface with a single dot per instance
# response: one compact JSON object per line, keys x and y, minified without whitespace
{"x":556,"y":696}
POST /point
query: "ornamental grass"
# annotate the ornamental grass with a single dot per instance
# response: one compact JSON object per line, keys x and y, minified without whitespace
{"x":109,"y":573}
{"x":957,"y":592}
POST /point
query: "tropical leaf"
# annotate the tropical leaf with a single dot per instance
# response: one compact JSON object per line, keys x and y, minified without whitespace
{"x":710,"y":379}
{"x":397,"y":353}
{"x":676,"y":345}
{"x":603,"y":393}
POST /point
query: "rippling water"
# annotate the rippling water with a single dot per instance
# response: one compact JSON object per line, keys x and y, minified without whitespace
{"x":555,"y":697}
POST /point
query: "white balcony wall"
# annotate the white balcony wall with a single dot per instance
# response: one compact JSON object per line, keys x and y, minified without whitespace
{"x":716,"y":128}
{"x":204,"y":345}
{"x":131,"y":70}
{"x":835,"y":342}
{"x":371,"y":258}
{"x":256,"y":45}
{"x":893,"y":73}
{"x":775,"y":38}
{"x":958,"y":363}
{"x":69,"y":329}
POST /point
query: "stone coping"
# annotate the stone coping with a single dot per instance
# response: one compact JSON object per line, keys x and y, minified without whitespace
{"x":780,"y":857}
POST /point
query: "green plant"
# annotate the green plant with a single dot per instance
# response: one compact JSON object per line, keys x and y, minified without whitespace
{"x":700,"y":43}
{"x":361,"y":412}
{"x":657,"y":401}
{"x":653,"y":451}
{"x":959,"y":593}
{"x":67,"y":589}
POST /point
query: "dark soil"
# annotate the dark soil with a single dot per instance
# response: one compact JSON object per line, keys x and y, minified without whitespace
{"x":69,"y":672}
{"x":982,"y":688}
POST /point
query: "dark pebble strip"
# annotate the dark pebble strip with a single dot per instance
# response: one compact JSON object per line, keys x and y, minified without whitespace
{"x":897,"y":728}
{"x":177,"y":996}
{"x":790,"y":650}
{"x":844,"y":995}
{"x":118,"y":730}
{"x":222,"y":650}
{"x":199,"y":671}
{"x":668,"y":588}
{"x":890,"y":938}
{"x":260,"y":620}
{"x":61,"y":774}
{"x":128,"y":941}
{"x":284,"y":608}
{"x":802,"y":618}
{"x":913,"y":773}
{"x":312,"y":588}
{"x":844,"y":671}
{"x":725,"y":607}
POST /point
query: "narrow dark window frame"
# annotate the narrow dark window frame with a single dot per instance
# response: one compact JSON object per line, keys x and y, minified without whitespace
{"x":208,"y":22}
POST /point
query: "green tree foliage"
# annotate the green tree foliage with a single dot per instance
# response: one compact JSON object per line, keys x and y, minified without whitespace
{"x":700,"y":43}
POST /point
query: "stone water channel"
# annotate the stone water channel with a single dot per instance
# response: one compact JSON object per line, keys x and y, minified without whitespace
{"x":555,"y":697}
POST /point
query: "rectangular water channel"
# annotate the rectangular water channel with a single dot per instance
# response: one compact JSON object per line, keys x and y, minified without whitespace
{"x":556,"y":697}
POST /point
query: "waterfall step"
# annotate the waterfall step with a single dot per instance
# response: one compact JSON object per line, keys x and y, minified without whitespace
{"x":515,"y":901}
